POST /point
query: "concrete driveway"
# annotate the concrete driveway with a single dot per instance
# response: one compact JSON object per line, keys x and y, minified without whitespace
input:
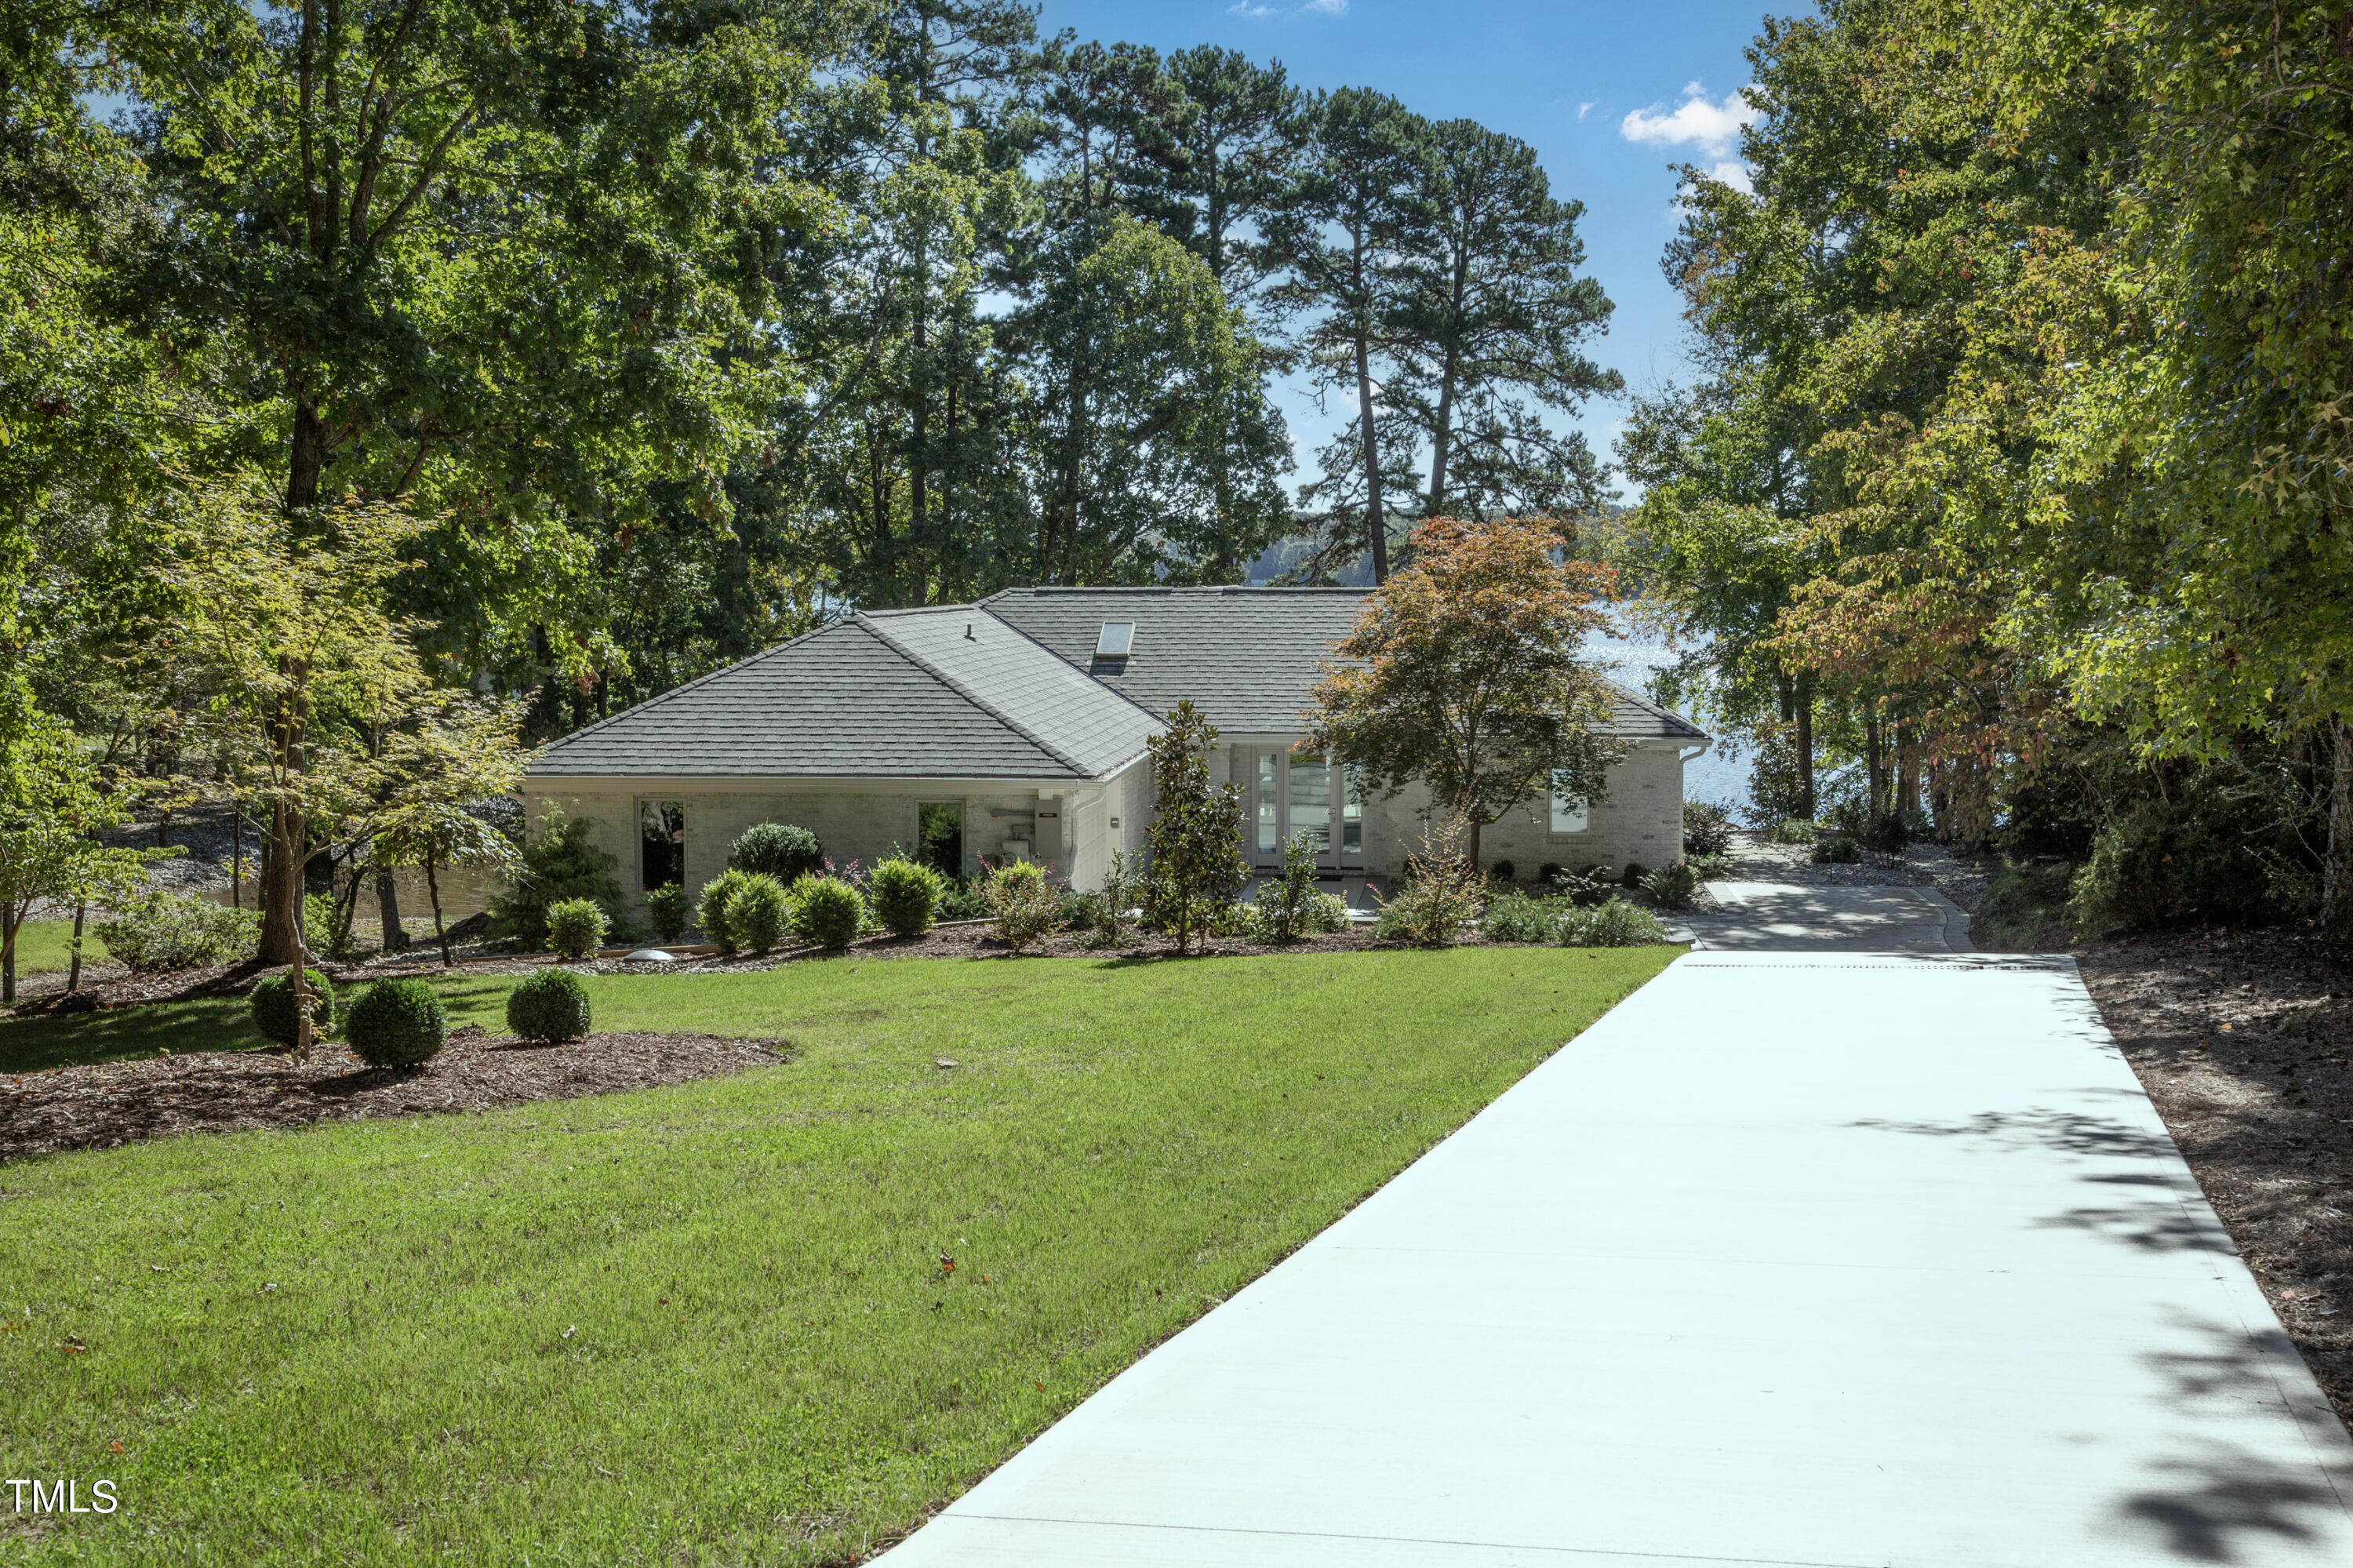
{"x":1777,"y":916}
{"x":1844,"y":1260}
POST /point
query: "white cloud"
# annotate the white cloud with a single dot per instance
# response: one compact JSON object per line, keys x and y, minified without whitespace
{"x":1244,"y":8}
{"x":1585,"y":109}
{"x":1327,"y":7}
{"x":1735,"y":173}
{"x":1713,"y":128}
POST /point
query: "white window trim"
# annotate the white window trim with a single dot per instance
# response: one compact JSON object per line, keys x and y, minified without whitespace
{"x":1571,"y":814}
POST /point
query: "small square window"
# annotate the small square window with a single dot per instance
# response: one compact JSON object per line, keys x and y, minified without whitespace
{"x":1568,"y":811}
{"x":1118,"y":637}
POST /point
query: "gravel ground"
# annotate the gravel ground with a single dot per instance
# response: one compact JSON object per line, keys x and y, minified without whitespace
{"x":2243,"y":1040}
{"x":225,"y":1091}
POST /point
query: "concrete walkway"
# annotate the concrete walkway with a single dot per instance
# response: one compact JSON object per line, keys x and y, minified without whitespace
{"x":1779,"y":916}
{"x":1843,"y":1261}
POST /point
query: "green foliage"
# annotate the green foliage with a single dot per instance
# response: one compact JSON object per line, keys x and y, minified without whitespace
{"x":1707,"y":828}
{"x":1709,"y":867}
{"x":1516,"y":916}
{"x":549,"y":1006}
{"x":781,"y":850}
{"x":328,"y":937}
{"x":1793,"y":830}
{"x":575,"y":927}
{"x":906,"y":896}
{"x":271,"y":1004}
{"x":828,"y":912}
{"x":1614,"y":923}
{"x":1025,"y":904}
{"x":1675,"y":886}
{"x":667,"y":908}
{"x":1106,"y":913}
{"x":1444,"y":895}
{"x":1193,"y":844}
{"x":2164,"y":863}
{"x":964,"y":899}
{"x":397,"y":1024}
{"x":1291,"y":905}
{"x":160,"y":931}
{"x":1836,"y":849}
{"x":2025,"y":909}
{"x":760,"y":910}
{"x":711,"y":909}
{"x":559,"y":865}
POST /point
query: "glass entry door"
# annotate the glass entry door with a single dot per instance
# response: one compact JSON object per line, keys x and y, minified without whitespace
{"x":1294,"y":793}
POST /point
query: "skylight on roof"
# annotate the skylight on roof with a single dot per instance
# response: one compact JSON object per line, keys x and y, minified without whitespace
{"x":1118,"y":637}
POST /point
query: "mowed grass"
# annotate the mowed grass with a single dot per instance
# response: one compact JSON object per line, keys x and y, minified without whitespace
{"x":710,"y":1323}
{"x":45,"y":945}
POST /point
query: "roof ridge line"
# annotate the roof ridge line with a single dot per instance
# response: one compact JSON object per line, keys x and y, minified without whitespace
{"x":975,"y":698}
{"x":685,"y":686}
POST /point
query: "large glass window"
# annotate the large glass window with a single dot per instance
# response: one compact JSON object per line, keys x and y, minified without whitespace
{"x":1310,"y":802}
{"x":1268,"y":798}
{"x":662,"y":843}
{"x":1352,"y":815}
{"x":940,"y":827}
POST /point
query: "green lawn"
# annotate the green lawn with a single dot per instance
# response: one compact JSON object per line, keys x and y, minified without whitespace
{"x":709,"y":1324}
{"x":44,"y":945}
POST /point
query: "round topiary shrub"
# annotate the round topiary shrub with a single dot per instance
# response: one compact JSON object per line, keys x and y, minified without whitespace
{"x":551,"y":1005}
{"x":779,"y":850}
{"x":272,"y":1001}
{"x":577,"y":927}
{"x":711,"y":909}
{"x":906,"y":896}
{"x":759,"y":914}
{"x":397,"y":1024}
{"x":667,"y":907}
{"x":828,"y":913}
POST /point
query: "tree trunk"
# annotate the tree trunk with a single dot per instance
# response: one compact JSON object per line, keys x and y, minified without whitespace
{"x":236,"y":854}
{"x":387,"y":909}
{"x":8,"y":953}
{"x":1475,"y":826}
{"x":1439,"y":438}
{"x":281,"y":892}
{"x":1376,"y":527}
{"x":73,"y":965}
{"x":1907,"y":774}
{"x":1806,"y":746}
{"x":440,"y":935}
{"x":2337,"y":876}
{"x":1874,"y":758}
{"x":309,"y":459}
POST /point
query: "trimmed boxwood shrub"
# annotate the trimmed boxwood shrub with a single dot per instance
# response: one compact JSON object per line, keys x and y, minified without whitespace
{"x":779,"y":850}
{"x":397,"y":1024}
{"x":711,"y":909}
{"x":667,"y":906}
{"x":759,"y":914}
{"x":551,"y":1005}
{"x":906,"y":896}
{"x":272,"y":1001}
{"x":828,"y":912}
{"x":577,"y":927}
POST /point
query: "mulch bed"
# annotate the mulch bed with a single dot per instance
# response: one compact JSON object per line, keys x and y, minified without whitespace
{"x":223,"y":1091}
{"x":2243,"y":1041}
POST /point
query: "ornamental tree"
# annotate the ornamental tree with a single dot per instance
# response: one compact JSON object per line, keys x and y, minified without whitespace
{"x":1194,"y":840}
{"x":1464,"y":674}
{"x":50,"y":804}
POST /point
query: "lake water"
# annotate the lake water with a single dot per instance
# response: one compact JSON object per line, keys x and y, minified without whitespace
{"x":1631,"y":662}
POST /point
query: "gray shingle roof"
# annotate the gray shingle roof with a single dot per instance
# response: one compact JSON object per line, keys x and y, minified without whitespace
{"x":907,"y":693}
{"x":1247,"y":657}
{"x":846,"y":701}
{"x":1089,"y":726}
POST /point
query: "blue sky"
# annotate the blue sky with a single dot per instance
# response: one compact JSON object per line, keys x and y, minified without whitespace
{"x":1564,"y":77}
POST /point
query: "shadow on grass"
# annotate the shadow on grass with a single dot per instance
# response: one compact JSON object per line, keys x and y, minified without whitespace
{"x":33,"y":1044}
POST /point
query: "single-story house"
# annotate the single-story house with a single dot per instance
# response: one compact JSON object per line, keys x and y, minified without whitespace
{"x":1016,"y":726}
